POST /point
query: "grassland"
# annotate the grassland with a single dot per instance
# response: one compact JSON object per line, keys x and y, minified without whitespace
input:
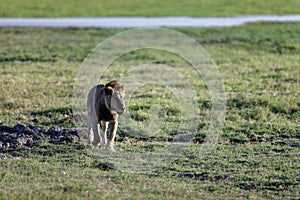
{"x":71,"y":8}
{"x":256,"y":156}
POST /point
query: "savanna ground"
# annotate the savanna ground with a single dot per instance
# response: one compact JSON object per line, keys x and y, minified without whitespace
{"x":257,"y":155}
{"x":254,"y":157}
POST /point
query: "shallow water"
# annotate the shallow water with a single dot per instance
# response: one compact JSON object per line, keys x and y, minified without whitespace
{"x":134,"y":22}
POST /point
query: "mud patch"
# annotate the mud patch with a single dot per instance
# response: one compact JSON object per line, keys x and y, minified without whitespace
{"x":28,"y":136}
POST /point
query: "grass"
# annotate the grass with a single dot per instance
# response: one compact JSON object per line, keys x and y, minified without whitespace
{"x":254,"y":157}
{"x":71,"y":8}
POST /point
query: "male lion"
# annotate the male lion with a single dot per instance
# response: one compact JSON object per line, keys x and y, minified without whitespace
{"x":105,"y":104}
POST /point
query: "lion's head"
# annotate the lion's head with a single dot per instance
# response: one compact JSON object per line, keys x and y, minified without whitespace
{"x":114,"y":97}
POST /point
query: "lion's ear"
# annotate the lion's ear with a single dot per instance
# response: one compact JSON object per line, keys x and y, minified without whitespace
{"x":108,"y":90}
{"x":122,"y":88}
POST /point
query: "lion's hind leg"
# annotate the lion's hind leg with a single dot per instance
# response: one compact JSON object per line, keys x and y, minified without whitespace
{"x":91,"y":131}
{"x":97,"y":138}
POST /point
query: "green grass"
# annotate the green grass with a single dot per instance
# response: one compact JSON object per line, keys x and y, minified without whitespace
{"x":254,"y":157}
{"x":75,"y":8}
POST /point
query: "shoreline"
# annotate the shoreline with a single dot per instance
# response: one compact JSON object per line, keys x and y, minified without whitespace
{"x":144,"y":22}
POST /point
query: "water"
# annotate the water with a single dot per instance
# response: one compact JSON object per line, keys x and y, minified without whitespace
{"x":135,"y":22}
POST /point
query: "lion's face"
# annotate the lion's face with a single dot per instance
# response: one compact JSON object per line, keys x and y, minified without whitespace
{"x":117,"y":102}
{"x":116,"y":99}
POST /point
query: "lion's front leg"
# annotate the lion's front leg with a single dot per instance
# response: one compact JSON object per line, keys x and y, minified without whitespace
{"x":114,"y":127}
{"x":104,"y":132}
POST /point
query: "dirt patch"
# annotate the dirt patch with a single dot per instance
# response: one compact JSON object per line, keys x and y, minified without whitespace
{"x":196,"y":176}
{"x":28,"y":135}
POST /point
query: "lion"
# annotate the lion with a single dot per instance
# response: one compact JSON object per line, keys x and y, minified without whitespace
{"x":105,"y":104}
